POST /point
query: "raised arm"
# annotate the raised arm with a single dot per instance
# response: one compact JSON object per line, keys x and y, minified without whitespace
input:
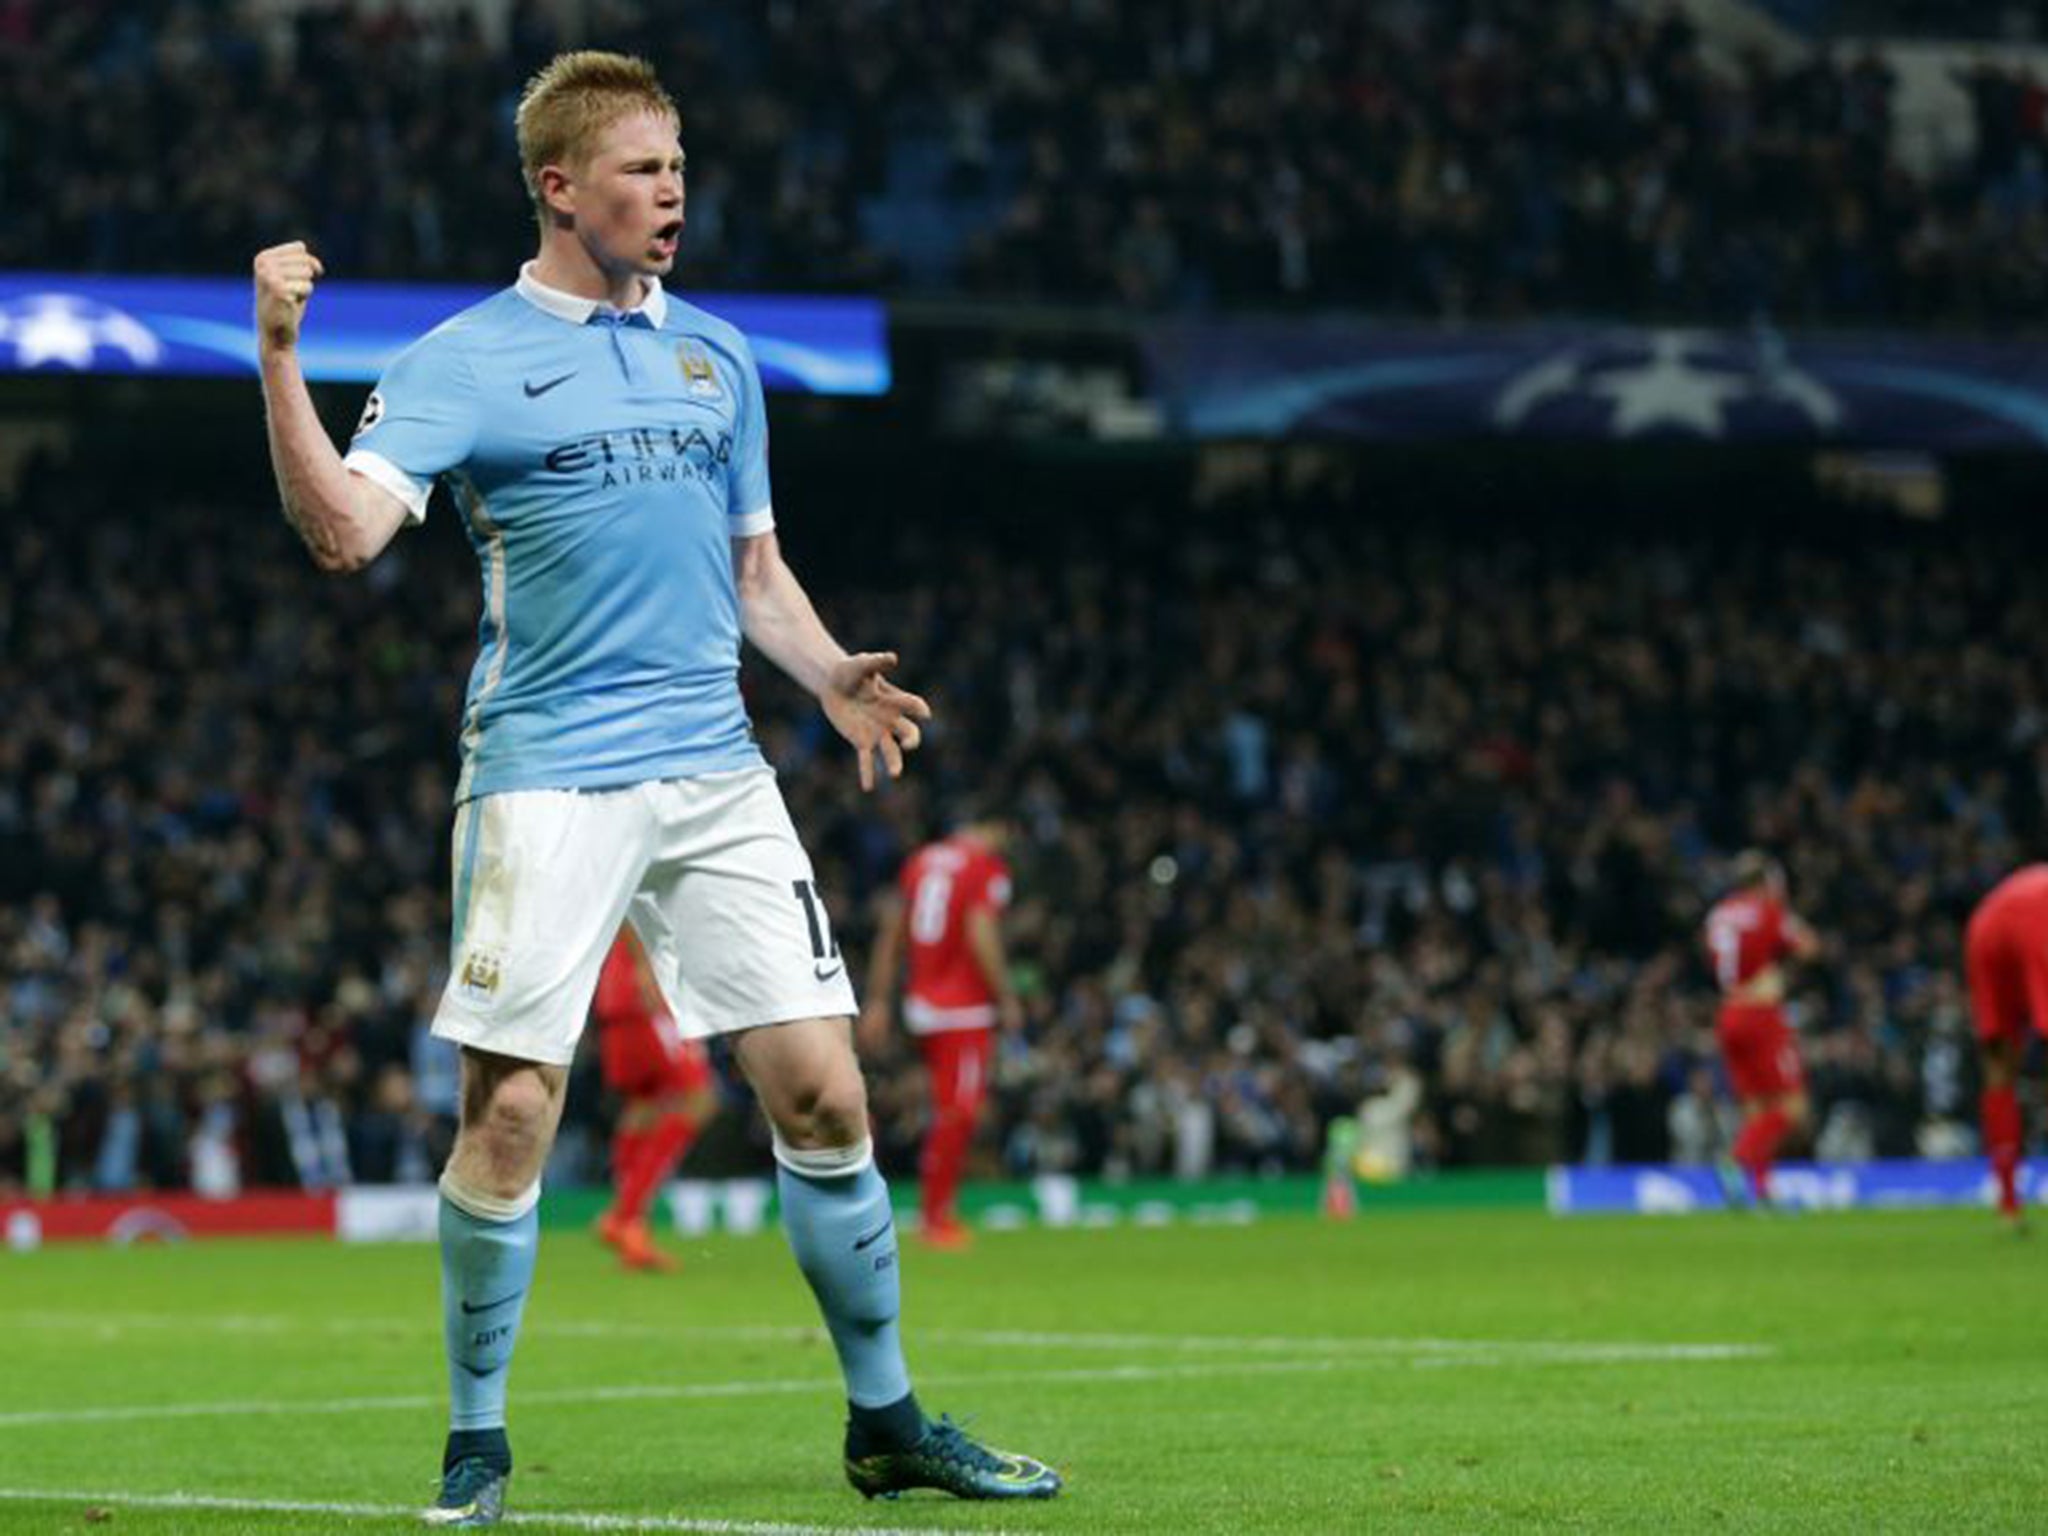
{"x":875,"y":716}
{"x":345,"y":519}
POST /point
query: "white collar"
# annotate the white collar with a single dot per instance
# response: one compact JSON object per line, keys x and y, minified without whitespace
{"x":576,"y":310}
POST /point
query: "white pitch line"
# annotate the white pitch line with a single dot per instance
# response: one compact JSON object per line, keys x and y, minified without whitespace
{"x":648,"y":1392}
{"x":558,"y":1519}
{"x":659,"y":1391}
{"x":1574,"y":1351}
{"x":1588,"y":1351}
{"x":112,"y":1324}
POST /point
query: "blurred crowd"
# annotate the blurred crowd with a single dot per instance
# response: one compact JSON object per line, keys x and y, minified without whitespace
{"x":1321,"y":812}
{"x":2023,"y":21}
{"x":1459,"y":158}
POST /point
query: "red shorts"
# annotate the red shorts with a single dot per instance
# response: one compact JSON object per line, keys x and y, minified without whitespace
{"x":1762,"y":1056}
{"x":649,"y":1059}
{"x":957,"y":1060}
{"x":2005,"y":959}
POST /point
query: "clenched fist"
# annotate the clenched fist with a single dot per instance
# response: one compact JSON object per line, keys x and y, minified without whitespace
{"x":285,"y":275}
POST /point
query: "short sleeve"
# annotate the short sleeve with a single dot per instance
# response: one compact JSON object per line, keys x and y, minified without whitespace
{"x":749,"y":507}
{"x":419,"y":421}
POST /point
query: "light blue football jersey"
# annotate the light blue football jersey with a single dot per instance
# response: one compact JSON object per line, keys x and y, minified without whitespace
{"x":601,"y":461}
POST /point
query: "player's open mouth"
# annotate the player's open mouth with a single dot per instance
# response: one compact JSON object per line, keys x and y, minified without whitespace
{"x":666,"y":237}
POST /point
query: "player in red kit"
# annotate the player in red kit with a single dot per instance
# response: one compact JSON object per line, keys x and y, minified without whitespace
{"x":1750,"y":933}
{"x":2005,"y":959}
{"x":946,"y":916}
{"x":665,"y":1081}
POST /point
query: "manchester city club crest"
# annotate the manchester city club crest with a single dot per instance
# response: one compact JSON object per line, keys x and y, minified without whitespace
{"x":481,"y":973}
{"x":699,"y":377}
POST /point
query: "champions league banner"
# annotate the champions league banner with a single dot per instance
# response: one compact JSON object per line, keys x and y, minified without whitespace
{"x":1669,"y":1190}
{"x":1354,"y":379}
{"x":180,"y":327}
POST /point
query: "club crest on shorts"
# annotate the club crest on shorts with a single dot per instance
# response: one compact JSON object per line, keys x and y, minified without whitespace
{"x":699,"y":377}
{"x":481,"y":972}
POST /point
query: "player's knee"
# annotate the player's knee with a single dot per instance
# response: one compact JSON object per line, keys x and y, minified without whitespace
{"x":513,"y":1109}
{"x":841,"y":1118}
{"x":831,"y":1112}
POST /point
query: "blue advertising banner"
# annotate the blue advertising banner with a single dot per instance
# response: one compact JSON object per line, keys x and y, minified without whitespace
{"x":1664,"y":1189}
{"x":1354,"y":379}
{"x":183,"y":326}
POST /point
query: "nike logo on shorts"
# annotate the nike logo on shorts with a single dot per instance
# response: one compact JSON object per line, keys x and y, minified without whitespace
{"x":535,"y":391}
{"x":827,"y":972}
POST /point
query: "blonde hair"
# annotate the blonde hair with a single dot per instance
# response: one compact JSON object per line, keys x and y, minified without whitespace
{"x":570,"y":103}
{"x":1753,"y":867}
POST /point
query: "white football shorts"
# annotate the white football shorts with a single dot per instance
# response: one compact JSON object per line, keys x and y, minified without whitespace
{"x":709,"y":872}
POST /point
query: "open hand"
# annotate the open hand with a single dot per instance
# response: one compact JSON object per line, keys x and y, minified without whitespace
{"x":873,"y":714}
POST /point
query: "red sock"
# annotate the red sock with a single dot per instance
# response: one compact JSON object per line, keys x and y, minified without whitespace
{"x":1758,"y":1145}
{"x":1999,"y":1114}
{"x":626,"y":1147}
{"x":660,"y":1150}
{"x":945,"y":1158}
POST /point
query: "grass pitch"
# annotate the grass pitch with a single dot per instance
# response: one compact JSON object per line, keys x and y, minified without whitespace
{"x":1434,"y":1371}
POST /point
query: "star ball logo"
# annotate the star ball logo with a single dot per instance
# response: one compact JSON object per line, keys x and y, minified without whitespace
{"x":1668,"y":382}
{"x":61,"y":330}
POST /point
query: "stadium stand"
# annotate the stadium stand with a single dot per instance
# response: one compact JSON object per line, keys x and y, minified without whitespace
{"x":1486,"y":158}
{"x":1433,"y":797}
{"x":1473,"y":778}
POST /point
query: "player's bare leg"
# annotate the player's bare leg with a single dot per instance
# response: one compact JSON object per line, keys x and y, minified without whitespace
{"x":2000,"y":1123}
{"x":510,"y":1112}
{"x":835,"y":1212}
{"x":490,"y":1234}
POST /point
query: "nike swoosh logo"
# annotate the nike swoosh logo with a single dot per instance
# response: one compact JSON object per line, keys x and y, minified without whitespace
{"x":827,"y":972}
{"x":486,"y":1306}
{"x":535,"y":391}
{"x":862,"y":1242}
{"x":478,"y":1371}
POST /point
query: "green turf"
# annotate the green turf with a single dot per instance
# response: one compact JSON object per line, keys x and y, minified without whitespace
{"x":1900,"y":1387}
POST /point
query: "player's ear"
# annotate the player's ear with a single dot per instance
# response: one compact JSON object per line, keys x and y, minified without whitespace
{"x":557,"y":186}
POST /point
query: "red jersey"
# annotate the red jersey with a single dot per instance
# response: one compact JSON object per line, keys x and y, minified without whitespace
{"x":2005,"y":956}
{"x":2020,"y":899}
{"x":1746,"y":935}
{"x":942,"y":885}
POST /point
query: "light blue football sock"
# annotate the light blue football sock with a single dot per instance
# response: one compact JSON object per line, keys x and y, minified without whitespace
{"x":844,"y":1238}
{"x":486,"y":1273}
